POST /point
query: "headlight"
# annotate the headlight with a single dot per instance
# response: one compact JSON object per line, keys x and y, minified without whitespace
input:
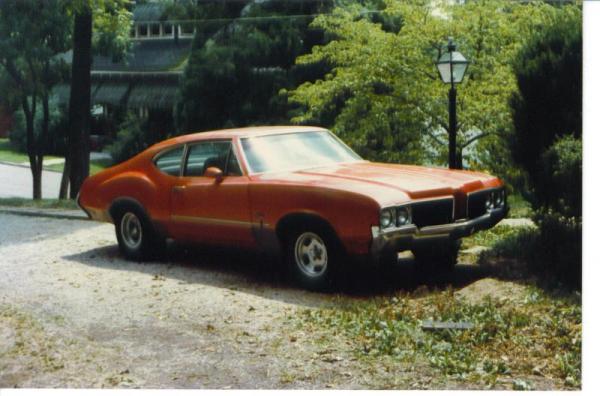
{"x":402,"y":216}
{"x":489,"y":202}
{"x":499,"y":198}
{"x":386,"y":218}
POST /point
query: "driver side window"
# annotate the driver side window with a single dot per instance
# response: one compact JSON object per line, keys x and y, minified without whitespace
{"x":202,"y":156}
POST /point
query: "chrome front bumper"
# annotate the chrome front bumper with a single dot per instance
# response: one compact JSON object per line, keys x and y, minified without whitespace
{"x":410,"y":236}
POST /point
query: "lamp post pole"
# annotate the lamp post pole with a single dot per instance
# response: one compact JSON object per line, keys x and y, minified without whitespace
{"x":452,"y":128}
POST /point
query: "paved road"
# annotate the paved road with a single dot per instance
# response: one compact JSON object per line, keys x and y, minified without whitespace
{"x":16,"y":181}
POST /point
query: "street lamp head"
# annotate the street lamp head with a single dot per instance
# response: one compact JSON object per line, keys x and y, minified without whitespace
{"x":452,"y":65}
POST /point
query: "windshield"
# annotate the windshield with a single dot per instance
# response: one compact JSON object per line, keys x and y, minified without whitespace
{"x":293,"y":151}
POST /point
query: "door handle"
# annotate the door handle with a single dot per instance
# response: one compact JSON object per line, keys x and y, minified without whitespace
{"x":178,"y":188}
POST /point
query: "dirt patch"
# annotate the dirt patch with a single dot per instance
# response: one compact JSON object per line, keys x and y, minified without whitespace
{"x":477,"y":292}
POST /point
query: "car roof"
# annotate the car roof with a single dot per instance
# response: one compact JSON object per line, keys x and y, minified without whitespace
{"x":237,"y":132}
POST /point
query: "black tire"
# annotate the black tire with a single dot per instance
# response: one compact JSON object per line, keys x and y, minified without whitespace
{"x":312,"y":255}
{"x":438,"y":258}
{"x":136,"y":236}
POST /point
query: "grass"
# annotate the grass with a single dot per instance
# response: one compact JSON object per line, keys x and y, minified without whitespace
{"x":40,"y":204}
{"x":493,"y":236}
{"x":510,"y":340}
{"x":95,"y":166}
{"x":9,"y":154}
{"x":519,"y":207}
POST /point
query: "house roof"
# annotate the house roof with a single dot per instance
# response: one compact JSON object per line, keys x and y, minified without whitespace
{"x":162,"y":54}
{"x":148,"y":12}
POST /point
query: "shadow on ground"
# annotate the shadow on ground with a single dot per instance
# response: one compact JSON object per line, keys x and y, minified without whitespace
{"x":249,"y":272}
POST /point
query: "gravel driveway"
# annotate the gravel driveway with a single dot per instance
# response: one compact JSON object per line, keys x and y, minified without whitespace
{"x":74,"y":314}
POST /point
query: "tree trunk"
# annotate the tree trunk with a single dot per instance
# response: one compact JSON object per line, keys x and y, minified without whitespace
{"x":43,"y":139}
{"x":36,"y":172}
{"x":64,"y":181}
{"x":32,"y":145}
{"x":79,"y":101}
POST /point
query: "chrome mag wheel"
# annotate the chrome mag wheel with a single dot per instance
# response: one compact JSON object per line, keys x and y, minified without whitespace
{"x":311,"y":254}
{"x":131,"y":230}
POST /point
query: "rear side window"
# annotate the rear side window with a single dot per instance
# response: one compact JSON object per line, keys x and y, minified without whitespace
{"x":169,"y":162}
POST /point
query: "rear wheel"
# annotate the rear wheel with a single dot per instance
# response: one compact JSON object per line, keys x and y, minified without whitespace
{"x":136,"y":236}
{"x":312,"y":255}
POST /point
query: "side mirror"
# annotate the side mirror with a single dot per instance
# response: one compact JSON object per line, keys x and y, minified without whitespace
{"x":215,"y":173}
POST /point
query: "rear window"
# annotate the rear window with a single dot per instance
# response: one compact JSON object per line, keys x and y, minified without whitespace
{"x":169,"y":162}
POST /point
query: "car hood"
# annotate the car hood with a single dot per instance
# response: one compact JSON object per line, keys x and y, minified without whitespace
{"x":389,"y":183}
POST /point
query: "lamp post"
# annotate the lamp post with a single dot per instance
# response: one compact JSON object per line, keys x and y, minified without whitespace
{"x":452,"y":66}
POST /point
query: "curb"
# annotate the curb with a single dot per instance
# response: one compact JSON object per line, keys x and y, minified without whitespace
{"x":55,"y":214}
{"x":26,"y":166}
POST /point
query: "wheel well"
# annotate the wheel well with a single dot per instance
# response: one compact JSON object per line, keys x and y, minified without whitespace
{"x":293,"y":221}
{"x":122,"y":204}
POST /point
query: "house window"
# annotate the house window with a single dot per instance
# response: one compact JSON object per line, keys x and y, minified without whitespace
{"x":187,"y":29}
{"x":143,"y":30}
{"x":155,"y":30}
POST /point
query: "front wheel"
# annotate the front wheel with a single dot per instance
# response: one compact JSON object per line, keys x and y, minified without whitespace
{"x":311,"y":256}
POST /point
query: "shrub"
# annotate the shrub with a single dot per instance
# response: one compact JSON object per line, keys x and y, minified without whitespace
{"x":132,"y":138}
{"x":551,"y":252}
{"x":547,"y":144}
{"x":57,"y":130}
{"x":549,"y":79}
{"x":560,"y":180}
{"x":557,"y":256}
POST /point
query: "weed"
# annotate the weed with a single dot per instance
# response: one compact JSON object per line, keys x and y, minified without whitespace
{"x":508,"y":338}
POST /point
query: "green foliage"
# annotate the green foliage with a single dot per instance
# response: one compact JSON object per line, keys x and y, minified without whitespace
{"x":238,"y":65}
{"x":132,"y":138}
{"x":559,"y":185}
{"x":519,"y":206}
{"x":383,"y":94}
{"x":546,"y":112}
{"x":551,"y":252}
{"x":509,"y":338}
{"x":488,"y":238}
{"x":56,"y":142}
{"x":111,"y":26}
{"x":24,"y":26}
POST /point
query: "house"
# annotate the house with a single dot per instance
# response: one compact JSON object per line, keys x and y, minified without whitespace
{"x":146,"y":81}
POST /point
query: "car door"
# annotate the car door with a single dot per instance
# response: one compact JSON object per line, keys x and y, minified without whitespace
{"x":206,"y":210}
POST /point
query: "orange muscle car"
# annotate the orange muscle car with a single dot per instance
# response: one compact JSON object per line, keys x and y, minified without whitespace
{"x":297,"y":192}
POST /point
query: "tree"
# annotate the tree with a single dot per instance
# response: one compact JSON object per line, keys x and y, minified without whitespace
{"x":241,"y":61}
{"x":384,"y":95}
{"x":33,"y":68}
{"x":112,"y":22}
{"x":546,"y":111}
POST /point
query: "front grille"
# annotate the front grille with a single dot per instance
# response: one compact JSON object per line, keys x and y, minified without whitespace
{"x":428,"y":213}
{"x":476,"y":204}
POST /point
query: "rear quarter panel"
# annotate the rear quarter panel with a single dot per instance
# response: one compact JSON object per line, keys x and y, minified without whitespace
{"x":136,"y":179}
